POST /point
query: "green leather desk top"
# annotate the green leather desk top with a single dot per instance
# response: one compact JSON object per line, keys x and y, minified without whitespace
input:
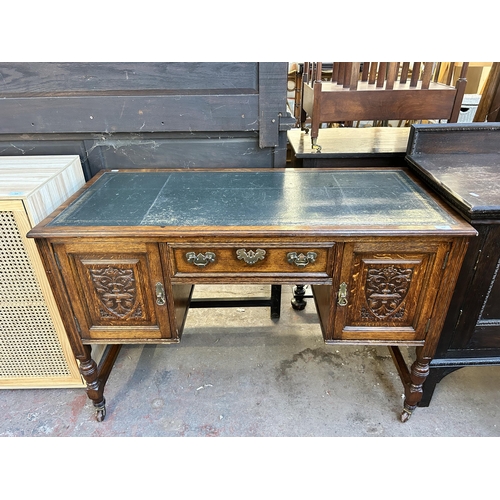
{"x":255,"y":198}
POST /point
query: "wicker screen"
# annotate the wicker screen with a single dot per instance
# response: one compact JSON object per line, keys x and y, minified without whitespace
{"x":29,"y":346}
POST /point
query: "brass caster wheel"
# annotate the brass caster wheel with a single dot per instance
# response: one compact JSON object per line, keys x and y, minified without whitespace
{"x":317,"y":148}
{"x":100,"y":412}
{"x":405,"y":415}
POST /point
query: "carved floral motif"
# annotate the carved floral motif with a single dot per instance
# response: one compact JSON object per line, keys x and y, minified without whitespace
{"x":116,"y":290}
{"x":385,"y":290}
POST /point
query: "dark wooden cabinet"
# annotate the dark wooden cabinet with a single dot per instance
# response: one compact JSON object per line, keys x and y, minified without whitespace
{"x":124,"y":272}
{"x":462,"y":164}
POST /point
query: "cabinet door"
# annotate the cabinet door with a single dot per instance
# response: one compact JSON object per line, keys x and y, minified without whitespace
{"x":387,"y":291}
{"x":117,"y":290}
{"x":477,"y":322}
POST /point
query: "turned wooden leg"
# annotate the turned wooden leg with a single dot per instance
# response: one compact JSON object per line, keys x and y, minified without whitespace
{"x":97,"y":376}
{"x":315,"y":145}
{"x":95,"y":389}
{"x":413,"y":379}
{"x":303,"y":118}
{"x":413,"y":390}
{"x":298,"y":301}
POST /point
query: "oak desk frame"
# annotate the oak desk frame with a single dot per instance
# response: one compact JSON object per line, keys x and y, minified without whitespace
{"x":381,"y":252}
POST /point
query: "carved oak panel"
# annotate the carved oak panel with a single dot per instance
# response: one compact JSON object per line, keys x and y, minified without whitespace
{"x":386,"y":288}
{"x":386,"y":294}
{"x":117,"y":291}
{"x":389,"y":286}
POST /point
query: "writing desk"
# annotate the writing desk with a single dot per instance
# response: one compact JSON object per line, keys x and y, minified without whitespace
{"x":381,"y":252}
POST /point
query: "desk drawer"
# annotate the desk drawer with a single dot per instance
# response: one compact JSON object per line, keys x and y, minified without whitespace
{"x":250,"y":259}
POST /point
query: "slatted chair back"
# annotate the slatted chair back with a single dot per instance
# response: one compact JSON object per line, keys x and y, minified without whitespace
{"x":346,"y":92}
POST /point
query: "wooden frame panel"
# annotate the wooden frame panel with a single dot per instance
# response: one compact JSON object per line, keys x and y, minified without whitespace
{"x":385,"y":104}
{"x":384,"y":285}
{"x":203,"y":115}
{"x":111,"y":286}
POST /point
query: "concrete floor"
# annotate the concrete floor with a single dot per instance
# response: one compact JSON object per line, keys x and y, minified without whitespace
{"x":238,"y":373}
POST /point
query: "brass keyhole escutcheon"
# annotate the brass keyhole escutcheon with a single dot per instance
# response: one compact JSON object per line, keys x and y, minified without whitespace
{"x":342,"y":299}
{"x":160,"y":294}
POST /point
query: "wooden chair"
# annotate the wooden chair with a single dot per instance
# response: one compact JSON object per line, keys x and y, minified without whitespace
{"x":354,"y":91}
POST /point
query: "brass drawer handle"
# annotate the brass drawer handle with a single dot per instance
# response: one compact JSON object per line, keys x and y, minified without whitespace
{"x":301,"y":260}
{"x":250,"y":257}
{"x":200,"y":260}
{"x":342,"y":301}
{"x":160,"y":294}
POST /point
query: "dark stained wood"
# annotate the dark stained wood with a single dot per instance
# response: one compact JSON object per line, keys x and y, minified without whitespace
{"x":271,"y":111}
{"x":427,"y":75}
{"x":154,"y":150}
{"x":384,"y":105}
{"x":415,"y":74}
{"x":382,"y":98}
{"x":80,"y":78}
{"x":343,"y":161}
{"x":113,"y":114}
{"x":382,"y":74}
{"x":365,"y":72}
{"x":373,"y":73}
{"x":433,"y":139}
{"x":137,"y":115}
{"x":481,"y":296}
{"x":133,"y":97}
{"x":489,"y":105}
{"x":392,"y":73}
{"x":405,"y":68}
{"x":124,"y":273}
{"x":462,"y":164}
{"x":95,"y":388}
{"x":460,"y":86}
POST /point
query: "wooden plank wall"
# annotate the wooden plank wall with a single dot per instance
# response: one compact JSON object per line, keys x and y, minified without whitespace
{"x":139,"y":115}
